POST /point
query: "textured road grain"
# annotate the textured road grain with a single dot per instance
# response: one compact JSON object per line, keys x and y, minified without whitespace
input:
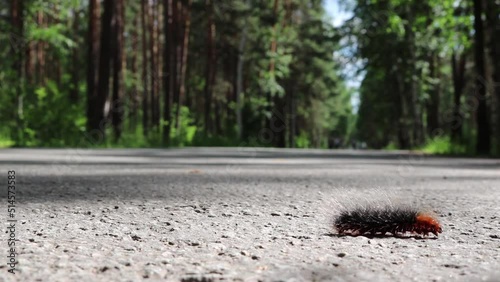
{"x":245,"y":214}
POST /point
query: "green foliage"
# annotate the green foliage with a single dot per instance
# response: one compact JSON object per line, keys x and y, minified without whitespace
{"x":444,"y":146}
{"x":134,"y":139}
{"x":53,"y":35}
{"x":184,"y":134}
{"x":302,"y":141}
{"x":391,"y":146}
{"x":5,"y":140}
{"x":42,"y":119}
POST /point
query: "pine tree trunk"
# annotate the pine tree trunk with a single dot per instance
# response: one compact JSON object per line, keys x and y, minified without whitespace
{"x":400,"y":107}
{"x":458,"y":74}
{"x":133,"y":95}
{"x":75,"y":68}
{"x":239,"y":78}
{"x":210,"y":66}
{"x":168,"y":65}
{"x":483,"y":121}
{"x":412,"y":85}
{"x":183,"y":63}
{"x":117,"y":103}
{"x":98,"y":121}
{"x":176,"y":57}
{"x":218,"y":117}
{"x":54,"y":68}
{"x":292,"y":119}
{"x":92,"y":63}
{"x":493,"y":10}
{"x":152,"y":70}
{"x":41,"y":77}
{"x":17,"y":50}
{"x":30,"y":62}
{"x":158,"y":57}
{"x":435,"y":93}
{"x":145,"y":99}
{"x":274,"y":43}
{"x":276,"y":123}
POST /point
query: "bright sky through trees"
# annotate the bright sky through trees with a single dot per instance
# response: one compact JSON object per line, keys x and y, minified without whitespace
{"x":338,"y":16}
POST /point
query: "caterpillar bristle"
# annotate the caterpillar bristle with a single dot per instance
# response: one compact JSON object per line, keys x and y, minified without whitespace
{"x":395,"y":221}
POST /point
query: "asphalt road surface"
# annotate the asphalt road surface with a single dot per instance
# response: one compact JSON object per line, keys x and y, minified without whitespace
{"x":243,"y":214}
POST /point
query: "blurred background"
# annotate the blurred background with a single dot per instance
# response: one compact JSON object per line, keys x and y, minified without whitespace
{"x":381,"y":74}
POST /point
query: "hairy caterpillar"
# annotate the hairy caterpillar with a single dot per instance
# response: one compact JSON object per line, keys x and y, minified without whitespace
{"x":397,"y":221}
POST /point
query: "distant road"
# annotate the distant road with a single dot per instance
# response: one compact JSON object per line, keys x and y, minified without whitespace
{"x":244,"y":214}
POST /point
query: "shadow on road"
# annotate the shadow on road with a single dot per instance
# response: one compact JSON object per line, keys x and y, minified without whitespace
{"x":218,"y":173}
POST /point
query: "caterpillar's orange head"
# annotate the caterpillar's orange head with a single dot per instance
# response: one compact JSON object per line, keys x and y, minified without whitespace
{"x":428,"y":224}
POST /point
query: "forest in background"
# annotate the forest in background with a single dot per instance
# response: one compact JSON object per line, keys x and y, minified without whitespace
{"x":167,"y":73}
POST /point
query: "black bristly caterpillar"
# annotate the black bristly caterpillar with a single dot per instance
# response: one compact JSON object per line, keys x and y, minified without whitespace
{"x":380,"y":221}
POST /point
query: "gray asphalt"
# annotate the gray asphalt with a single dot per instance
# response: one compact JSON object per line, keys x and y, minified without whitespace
{"x":244,"y":214}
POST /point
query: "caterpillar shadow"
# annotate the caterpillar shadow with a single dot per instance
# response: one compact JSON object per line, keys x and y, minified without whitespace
{"x":382,"y":236}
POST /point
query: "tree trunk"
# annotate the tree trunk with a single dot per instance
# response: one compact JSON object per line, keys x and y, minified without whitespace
{"x":493,"y":10}
{"x":133,"y":95}
{"x":152,"y":69}
{"x":41,"y":77}
{"x":168,"y":67}
{"x":98,"y":121}
{"x":401,"y":112}
{"x":92,"y":63}
{"x":75,"y":68}
{"x":176,"y":56}
{"x":32,"y":72}
{"x":277,"y":123}
{"x":239,"y":78}
{"x":17,"y":50}
{"x":210,"y":66}
{"x":483,"y":121}
{"x":218,"y":117}
{"x":291,"y":117}
{"x":435,"y":93}
{"x":272,"y":63}
{"x":411,"y":84}
{"x":183,"y":63}
{"x":30,"y":63}
{"x":145,"y":100}
{"x":458,"y":74}
{"x":158,"y":58}
{"x":274,"y":44}
{"x":276,"y":105}
{"x":117,"y":103}
{"x":54,"y":68}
